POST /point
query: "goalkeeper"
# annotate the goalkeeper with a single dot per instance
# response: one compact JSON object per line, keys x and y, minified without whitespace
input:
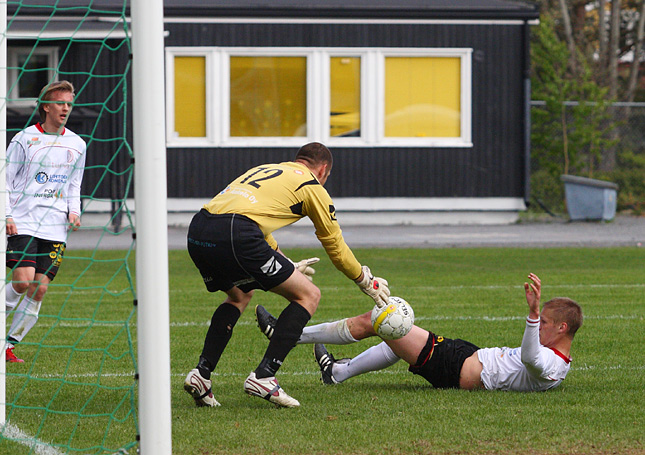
{"x":230,"y":242}
{"x":540,"y":363}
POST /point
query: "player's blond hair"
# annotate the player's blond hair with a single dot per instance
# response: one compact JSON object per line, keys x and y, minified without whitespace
{"x":563,"y":309}
{"x":47,"y":93}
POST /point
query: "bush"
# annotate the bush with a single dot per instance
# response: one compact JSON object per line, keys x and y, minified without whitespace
{"x":630,"y":177}
{"x":547,"y":190}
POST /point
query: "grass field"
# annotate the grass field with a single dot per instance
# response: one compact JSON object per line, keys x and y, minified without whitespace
{"x":475,"y":294}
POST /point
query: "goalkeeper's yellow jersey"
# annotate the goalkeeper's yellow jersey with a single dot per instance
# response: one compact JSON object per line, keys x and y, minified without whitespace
{"x":276,"y":195}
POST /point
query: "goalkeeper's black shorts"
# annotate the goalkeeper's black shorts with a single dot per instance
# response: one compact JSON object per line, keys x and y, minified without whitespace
{"x":441,"y":359}
{"x":230,"y":250}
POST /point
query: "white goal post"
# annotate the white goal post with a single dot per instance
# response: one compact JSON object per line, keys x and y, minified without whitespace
{"x":3,"y":186}
{"x":153,"y":330}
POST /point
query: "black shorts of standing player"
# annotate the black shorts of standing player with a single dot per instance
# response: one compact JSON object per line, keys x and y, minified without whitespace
{"x":230,"y":250}
{"x":441,"y":359}
{"x":27,"y":251}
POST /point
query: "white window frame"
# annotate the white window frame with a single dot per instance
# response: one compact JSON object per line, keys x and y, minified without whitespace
{"x":465,"y":139}
{"x":318,"y":97}
{"x":50,"y":52}
{"x":225,"y":108}
{"x":211,"y":77}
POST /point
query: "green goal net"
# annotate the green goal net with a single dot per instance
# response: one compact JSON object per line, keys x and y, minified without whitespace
{"x":76,"y":390}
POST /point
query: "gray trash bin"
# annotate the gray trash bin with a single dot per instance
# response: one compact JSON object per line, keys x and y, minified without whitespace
{"x":589,"y":199}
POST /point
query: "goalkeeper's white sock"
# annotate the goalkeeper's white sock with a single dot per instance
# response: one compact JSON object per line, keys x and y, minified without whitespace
{"x":24,"y":318}
{"x":11,"y":297}
{"x":373,"y":359}
{"x":335,"y":332}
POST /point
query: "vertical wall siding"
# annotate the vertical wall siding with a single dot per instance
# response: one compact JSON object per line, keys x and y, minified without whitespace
{"x":104,"y":129}
{"x":492,"y":167}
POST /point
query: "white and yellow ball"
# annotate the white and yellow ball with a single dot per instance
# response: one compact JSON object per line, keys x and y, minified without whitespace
{"x":394,"y":320}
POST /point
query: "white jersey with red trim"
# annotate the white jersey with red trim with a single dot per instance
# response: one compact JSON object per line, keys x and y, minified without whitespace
{"x":529,"y":368}
{"x":44,"y":174}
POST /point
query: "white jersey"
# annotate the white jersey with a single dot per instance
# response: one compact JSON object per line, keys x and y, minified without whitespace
{"x":529,"y":368}
{"x":44,"y":174}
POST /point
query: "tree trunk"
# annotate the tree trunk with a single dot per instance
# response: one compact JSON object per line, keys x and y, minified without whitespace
{"x":568,"y":32}
{"x":614,"y":35}
{"x":602,"y":39}
{"x":637,"y":49}
{"x":608,"y":161}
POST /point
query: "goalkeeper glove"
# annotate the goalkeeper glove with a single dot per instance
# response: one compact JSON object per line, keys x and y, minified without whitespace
{"x":375,"y":287}
{"x":304,"y":267}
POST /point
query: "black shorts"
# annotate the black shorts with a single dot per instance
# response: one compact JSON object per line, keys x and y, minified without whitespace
{"x":27,"y":251}
{"x":441,"y":360}
{"x":230,"y":250}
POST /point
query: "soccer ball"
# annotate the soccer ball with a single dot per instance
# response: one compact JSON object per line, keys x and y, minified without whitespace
{"x":394,"y":320}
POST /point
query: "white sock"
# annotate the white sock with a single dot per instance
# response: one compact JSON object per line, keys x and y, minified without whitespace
{"x":11,"y":297}
{"x":335,"y":332}
{"x":24,"y":318}
{"x":373,"y":359}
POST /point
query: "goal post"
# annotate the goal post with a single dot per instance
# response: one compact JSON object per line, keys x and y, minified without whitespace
{"x":152,"y":226}
{"x":96,"y":376}
{"x":3,"y":226}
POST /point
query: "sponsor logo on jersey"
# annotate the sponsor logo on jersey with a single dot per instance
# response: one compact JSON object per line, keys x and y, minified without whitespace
{"x":50,"y":193}
{"x":42,"y":178}
{"x":271,"y":267}
{"x":298,"y":171}
{"x":58,"y":178}
{"x":33,"y":141}
{"x":225,"y":190}
{"x":70,"y":156}
{"x":241,"y":192}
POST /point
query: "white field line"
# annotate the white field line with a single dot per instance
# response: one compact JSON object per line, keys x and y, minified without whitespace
{"x":15,"y":434}
{"x":130,"y":374}
{"x":59,"y":290}
{"x":47,"y":321}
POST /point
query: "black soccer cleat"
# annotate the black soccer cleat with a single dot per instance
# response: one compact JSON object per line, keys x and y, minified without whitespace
{"x":326,"y":362}
{"x":266,"y":321}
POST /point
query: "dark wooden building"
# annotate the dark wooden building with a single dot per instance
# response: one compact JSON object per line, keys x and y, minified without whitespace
{"x":424,"y":103}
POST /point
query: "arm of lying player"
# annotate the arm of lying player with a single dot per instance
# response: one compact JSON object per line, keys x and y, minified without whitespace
{"x":533,"y":291}
{"x":375,"y":287}
{"x":531,"y":339}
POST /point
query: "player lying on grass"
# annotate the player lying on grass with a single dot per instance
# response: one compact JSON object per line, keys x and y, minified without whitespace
{"x":541,"y":363}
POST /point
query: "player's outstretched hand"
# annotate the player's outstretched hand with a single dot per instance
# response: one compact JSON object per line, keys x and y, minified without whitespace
{"x":533,"y":290}
{"x":305,"y":268}
{"x":375,"y":287}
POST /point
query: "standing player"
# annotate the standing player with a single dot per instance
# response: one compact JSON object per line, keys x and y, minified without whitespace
{"x":231,"y":244}
{"x":540,"y":363}
{"x":45,"y":164}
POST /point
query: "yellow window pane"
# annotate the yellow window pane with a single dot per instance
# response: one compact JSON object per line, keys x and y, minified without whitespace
{"x":422,"y":97}
{"x":190,"y":96}
{"x":345,"y":106}
{"x":268,"y":96}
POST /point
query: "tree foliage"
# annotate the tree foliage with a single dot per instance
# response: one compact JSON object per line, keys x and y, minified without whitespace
{"x":572,"y":127}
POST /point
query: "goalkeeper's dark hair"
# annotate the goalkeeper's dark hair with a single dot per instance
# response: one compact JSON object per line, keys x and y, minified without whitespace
{"x":47,"y":93}
{"x":564,"y":309}
{"x":315,"y":154}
